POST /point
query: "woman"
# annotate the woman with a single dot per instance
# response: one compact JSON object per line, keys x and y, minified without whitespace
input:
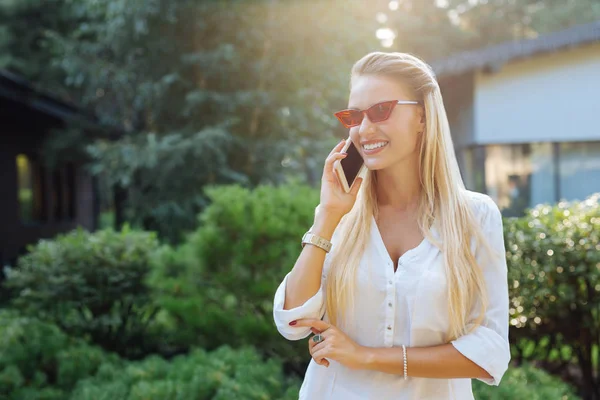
{"x":410,"y":301}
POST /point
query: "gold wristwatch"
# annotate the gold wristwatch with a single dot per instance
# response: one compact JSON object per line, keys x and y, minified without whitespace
{"x":315,"y":240}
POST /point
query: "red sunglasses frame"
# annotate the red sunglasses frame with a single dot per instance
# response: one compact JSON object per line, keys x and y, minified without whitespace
{"x":340,"y":114}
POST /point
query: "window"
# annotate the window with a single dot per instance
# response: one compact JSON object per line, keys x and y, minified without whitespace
{"x":579,"y":167}
{"x":520,"y":176}
{"x":474,"y":171}
{"x":63,"y":193}
{"x":31,"y":189}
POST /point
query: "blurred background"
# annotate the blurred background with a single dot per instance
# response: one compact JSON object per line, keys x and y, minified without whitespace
{"x":160,"y":161}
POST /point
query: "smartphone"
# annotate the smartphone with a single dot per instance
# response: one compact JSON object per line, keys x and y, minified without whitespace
{"x":351,"y":167}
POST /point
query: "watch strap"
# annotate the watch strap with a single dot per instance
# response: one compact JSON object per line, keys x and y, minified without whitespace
{"x":311,"y":238}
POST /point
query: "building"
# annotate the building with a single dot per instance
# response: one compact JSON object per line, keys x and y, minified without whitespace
{"x":525,"y":115}
{"x":37,"y":201}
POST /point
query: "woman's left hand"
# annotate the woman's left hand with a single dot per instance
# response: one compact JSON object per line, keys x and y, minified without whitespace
{"x":336,"y":345}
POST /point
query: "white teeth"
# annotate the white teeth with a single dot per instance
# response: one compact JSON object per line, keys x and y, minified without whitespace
{"x":373,"y":146}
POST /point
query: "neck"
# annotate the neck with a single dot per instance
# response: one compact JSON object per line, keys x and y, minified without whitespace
{"x":399,"y":187}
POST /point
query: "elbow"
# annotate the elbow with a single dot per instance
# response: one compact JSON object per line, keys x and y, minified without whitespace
{"x":294,"y":334}
{"x":485,"y":376}
{"x":314,"y":308}
{"x":283,"y":318}
{"x":494,"y":371}
{"x":489,"y":350}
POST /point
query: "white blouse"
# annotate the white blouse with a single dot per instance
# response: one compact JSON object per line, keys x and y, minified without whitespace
{"x":407,"y":307}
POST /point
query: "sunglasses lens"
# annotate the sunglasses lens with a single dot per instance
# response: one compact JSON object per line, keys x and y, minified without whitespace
{"x":380,"y":112}
{"x":350,"y":117}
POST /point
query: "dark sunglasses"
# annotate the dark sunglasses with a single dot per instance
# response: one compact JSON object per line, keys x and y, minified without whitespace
{"x":376,"y":113}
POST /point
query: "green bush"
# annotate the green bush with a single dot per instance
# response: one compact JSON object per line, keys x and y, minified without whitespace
{"x":39,"y":361}
{"x":554,"y":279}
{"x":218,"y":287}
{"x":223,"y":374}
{"x":525,"y":383}
{"x":92,"y":285}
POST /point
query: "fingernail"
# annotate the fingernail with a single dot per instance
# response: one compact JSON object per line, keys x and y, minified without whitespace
{"x":293,"y":322}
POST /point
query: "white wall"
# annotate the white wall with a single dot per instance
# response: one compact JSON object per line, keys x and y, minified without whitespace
{"x":552,"y":97}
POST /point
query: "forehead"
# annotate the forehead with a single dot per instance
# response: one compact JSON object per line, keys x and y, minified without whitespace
{"x":367,"y":90}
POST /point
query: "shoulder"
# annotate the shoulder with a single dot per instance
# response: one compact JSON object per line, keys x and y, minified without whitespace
{"x":484,"y":209}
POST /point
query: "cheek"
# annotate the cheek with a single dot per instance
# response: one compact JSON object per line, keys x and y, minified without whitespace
{"x":402,"y":128}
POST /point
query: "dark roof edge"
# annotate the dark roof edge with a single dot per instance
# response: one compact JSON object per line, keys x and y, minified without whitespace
{"x":16,"y":88}
{"x":504,"y":52}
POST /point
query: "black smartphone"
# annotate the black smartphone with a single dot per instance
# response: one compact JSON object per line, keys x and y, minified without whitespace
{"x":351,"y":166}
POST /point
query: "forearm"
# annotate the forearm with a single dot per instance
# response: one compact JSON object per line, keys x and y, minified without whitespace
{"x":442,"y":361}
{"x":304,"y":280}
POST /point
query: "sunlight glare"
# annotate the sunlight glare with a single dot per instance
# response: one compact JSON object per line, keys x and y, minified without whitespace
{"x":394,"y":5}
{"x":387,"y":43}
{"x":385,"y":34}
{"x":381,"y":18}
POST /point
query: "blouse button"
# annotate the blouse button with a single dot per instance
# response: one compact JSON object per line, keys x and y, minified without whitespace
{"x":390,"y":304}
{"x":390,"y":282}
{"x":389,"y":328}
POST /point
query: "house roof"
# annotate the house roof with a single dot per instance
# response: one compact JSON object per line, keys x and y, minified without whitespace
{"x":16,"y":88}
{"x":497,"y":55}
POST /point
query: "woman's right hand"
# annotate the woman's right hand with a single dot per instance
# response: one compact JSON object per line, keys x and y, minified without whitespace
{"x":334,"y":200}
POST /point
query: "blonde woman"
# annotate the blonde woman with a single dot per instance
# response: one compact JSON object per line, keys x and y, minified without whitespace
{"x":406,"y":287}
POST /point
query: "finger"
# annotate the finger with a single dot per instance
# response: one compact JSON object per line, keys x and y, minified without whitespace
{"x":321,"y":354}
{"x":328,"y":169}
{"x":316,"y":347}
{"x":321,"y":361}
{"x":313,"y":323}
{"x":337,"y":147}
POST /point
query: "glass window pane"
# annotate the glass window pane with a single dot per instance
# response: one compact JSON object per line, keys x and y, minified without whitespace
{"x":520,"y":176}
{"x":473,"y":168}
{"x":25,"y":192}
{"x":579,"y":167}
{"x":30,"y":189}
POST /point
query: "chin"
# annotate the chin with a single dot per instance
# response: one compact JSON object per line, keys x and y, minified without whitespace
{"x":375,"y":165}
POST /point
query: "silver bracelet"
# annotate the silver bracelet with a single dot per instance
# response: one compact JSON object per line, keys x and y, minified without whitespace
{"x":405,"y":366}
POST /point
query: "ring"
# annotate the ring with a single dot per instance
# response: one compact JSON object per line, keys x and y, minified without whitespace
{"x":317,"y":338}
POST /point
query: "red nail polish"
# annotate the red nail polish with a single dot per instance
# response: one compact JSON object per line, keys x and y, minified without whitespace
{"x":293,"y":322}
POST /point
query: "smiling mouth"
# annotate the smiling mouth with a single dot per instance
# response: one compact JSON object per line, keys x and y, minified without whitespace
{"x":374,"y":146}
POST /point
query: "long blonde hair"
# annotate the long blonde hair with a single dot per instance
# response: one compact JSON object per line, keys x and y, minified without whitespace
{"x":443,"y":200}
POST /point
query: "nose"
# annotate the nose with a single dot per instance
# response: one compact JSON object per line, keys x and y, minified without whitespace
{"x":366,"y":126}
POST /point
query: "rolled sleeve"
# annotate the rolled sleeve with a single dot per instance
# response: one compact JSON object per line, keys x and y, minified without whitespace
{"x":488,"y":345}
{"x":312,"y":308}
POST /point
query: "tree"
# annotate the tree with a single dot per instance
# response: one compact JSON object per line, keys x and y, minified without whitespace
{"x":229,"y":91}
{"x":210,"y":92}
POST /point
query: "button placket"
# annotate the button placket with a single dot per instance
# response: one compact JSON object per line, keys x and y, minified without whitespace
{"x":389,"y":314}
